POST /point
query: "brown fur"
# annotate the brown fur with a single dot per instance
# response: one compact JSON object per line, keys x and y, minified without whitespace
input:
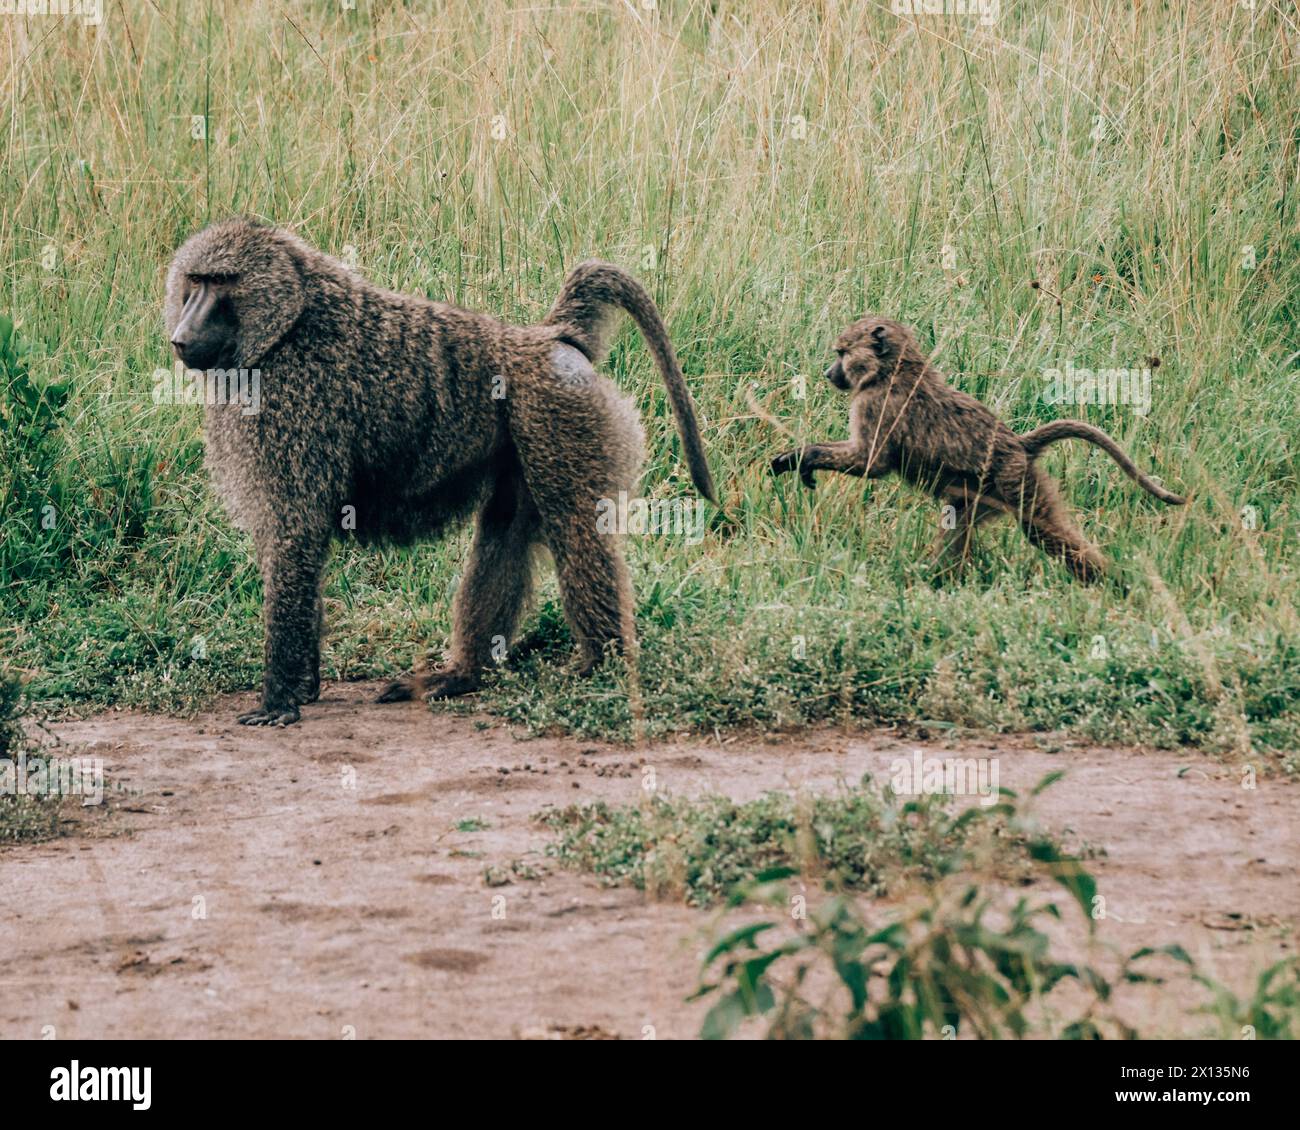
{"x":904,"y":417}
{"x":384,"y":403}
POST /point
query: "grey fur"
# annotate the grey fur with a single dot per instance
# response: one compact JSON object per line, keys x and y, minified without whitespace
{"x":905,"y":417}
{"x":384,"y":402}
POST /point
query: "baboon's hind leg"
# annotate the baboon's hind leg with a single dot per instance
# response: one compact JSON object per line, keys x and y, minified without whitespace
{"x":595,"y":590}
{"x":1048,"y":525}
{"x":491,"y":597}
{"x":580,"y":444}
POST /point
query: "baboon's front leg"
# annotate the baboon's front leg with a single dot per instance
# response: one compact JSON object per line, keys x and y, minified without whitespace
{"x":491,"y":597}
{"x":952,"y":546}
{"x":845,"y":457}
{"x":291,"y":579}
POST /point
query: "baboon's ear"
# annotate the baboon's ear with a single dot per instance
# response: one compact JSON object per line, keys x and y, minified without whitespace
{"x":880,"y":342}
{"x":269,"y":301}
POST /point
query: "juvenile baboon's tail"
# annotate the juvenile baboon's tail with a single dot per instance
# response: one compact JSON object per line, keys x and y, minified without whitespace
{"x":585,"y":311}
{"x":1039,"y":438}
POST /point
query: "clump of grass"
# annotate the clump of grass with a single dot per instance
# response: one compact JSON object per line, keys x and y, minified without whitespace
{"x":857,"y":839}
{"x":23,"y":817}
{"x":503,"y":876}
{"x":939,"y":658}
{"x":31,"y":452}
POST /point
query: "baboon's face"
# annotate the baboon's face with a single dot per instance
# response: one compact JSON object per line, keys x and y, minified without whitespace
{"x":207,"y":335}
{"x":870,"y":349}
{"x":234,"y":290}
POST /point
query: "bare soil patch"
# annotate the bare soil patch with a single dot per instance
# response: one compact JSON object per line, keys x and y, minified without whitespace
{"x":328,"y":879}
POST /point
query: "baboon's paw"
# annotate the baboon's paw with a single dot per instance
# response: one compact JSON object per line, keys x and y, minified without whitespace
{"x":1088,"y":568}
{"x":790,"y":461}
{"x":448,"y":684}
{"x":784,"y":462}
{"x":274,"y":716}
{"x":400,"y":691}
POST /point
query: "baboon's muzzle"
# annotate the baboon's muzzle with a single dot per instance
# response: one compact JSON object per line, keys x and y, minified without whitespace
{"x":835,"y":374}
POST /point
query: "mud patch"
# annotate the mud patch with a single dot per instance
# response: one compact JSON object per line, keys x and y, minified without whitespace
{"x":450,"y":961}
{"x":396,"y":798}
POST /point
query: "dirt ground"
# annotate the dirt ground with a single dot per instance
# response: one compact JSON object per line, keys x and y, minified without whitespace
{"x":311,"y":882}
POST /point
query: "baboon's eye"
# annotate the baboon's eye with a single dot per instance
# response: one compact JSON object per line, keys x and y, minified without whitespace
{"x":214,"y":279}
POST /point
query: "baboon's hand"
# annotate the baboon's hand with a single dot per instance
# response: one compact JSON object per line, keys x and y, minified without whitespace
{"x":270,"y":716}
{"x":788,"y":461}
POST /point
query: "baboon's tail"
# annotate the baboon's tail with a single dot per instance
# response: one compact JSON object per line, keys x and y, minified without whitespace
{"x":1039,"y":438}
{"x":585,"y":309}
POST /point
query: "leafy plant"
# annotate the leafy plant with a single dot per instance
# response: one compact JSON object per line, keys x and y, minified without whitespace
{"x":954,"y":965}
{"x":1272,"y":1012}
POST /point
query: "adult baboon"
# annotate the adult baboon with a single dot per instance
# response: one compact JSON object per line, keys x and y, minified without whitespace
{"x":904,"y":417}
{"x":392,"y":415}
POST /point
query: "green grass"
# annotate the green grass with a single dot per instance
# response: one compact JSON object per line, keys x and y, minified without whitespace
{"x":772,"y":171}
{"x":859,"y":839}
{"x":24,"y":816}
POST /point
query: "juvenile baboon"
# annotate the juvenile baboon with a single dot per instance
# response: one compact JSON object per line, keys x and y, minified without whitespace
{"x":390,"y":416}
{"x":904,"y":417}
